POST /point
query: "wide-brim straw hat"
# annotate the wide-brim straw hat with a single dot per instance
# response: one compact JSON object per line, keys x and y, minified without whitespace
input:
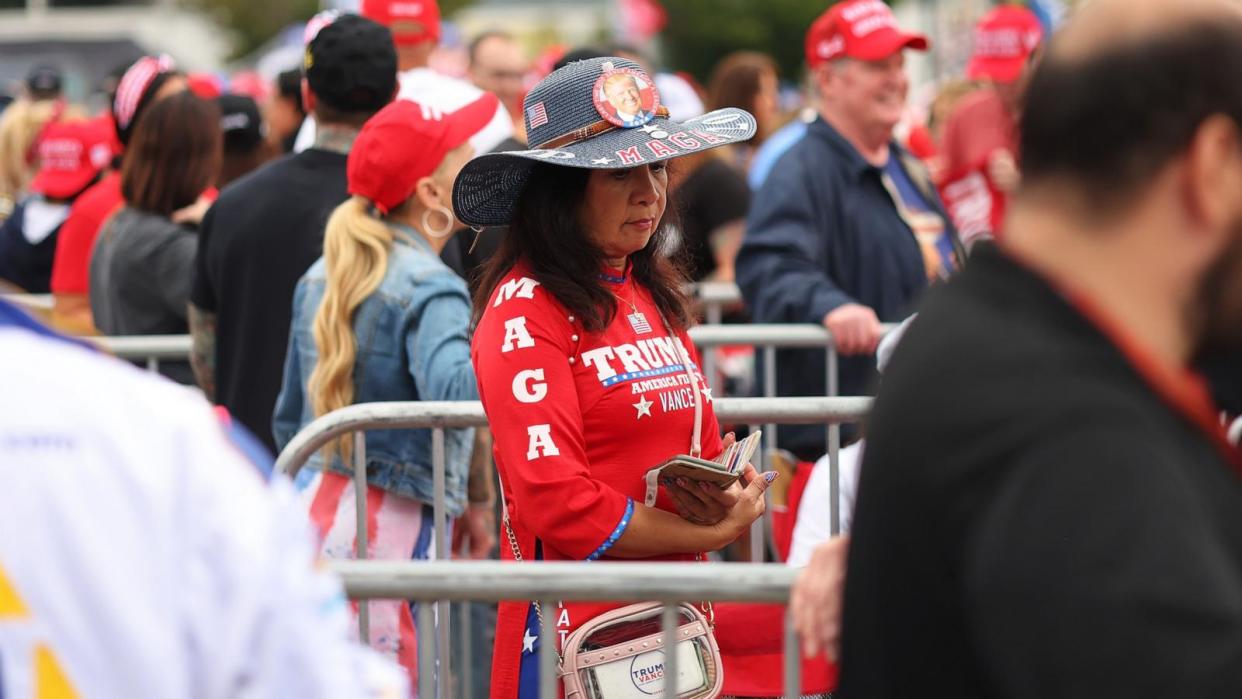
{"x":571,"y":121}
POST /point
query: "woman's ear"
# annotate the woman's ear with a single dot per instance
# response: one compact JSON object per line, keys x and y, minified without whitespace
{"x":429,"y":193}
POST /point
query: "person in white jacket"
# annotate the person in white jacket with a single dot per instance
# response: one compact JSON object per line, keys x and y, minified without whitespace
{"x":144,"y":551}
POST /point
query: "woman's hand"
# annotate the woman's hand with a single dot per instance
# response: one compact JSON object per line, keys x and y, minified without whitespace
{"x":194,"y":213}
{"x":749,"y":506}
{"x":703,"y":503}
{"x":699,"y":502}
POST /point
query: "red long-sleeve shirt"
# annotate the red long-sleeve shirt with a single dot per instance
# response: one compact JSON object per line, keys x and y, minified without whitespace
{"x":578,"y":418}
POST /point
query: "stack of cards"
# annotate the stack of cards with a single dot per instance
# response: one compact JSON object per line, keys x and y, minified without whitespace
{"x":722,"y":472}
{"x":735,"y":458}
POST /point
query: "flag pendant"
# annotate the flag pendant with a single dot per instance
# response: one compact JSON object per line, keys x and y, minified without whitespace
{"x":638,"y":321}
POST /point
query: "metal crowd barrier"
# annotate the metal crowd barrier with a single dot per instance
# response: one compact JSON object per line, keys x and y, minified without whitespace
{"x":35,"y":302}
{"x":714,"y":296}
{"x":151,"y":348}
{"x":549,"y":582}
{"x":439,"y":416}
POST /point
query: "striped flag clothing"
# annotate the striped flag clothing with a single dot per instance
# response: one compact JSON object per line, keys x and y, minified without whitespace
{"x":398,"y":528}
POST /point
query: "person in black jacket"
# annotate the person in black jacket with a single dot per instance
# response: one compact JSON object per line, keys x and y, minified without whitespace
{"x":1048,"y":506}
{"x":267,"y":227}
{"x":847,"y":230}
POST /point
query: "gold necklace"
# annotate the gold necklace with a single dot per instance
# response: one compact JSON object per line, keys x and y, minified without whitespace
{"x":633,"y":307}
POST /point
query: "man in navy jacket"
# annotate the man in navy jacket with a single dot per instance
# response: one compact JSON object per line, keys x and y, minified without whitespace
{"x":847,"y":230}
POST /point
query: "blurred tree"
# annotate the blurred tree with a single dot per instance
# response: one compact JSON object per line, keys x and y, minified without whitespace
{"x":251,"y":23}
{"x":700,"y":32}
{"x":448,"y":7}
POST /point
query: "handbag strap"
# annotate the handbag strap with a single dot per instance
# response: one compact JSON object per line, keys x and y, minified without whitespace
{"x":696,"y":434}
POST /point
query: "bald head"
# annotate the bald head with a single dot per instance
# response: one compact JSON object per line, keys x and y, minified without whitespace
{"x":1100,"y":26}
{"x":1122,"y":91}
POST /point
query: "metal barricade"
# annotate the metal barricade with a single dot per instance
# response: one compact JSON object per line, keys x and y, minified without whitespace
{"x":439,"y":416}
{"x":549,"y":582}
{"x":713,"y":297}
{"x":151,"y":348}
{"x":769,"y":338}
{"x":33,"y":302}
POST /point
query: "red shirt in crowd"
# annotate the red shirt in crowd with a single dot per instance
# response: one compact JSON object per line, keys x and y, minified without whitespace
{"x":978,"y":128}
{"x":71,"y":266}
{"x":578,"y":419}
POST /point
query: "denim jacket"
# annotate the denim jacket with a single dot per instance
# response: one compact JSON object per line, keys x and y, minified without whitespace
{"x":413,"y":344}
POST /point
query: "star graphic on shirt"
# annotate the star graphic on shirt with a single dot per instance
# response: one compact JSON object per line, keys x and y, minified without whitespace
{"x":643,"y":406}
{"x":707,"y":393}
{"x":601,"y":161}
{"x":528,"y":642}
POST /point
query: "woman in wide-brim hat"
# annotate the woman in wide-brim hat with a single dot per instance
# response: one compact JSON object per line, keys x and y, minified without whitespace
{"x":585,"y":370}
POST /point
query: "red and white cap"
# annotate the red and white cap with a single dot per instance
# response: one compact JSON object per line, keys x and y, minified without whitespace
{"x":410,"y":21}
{"x":1004,"y":40}
{"x":405,"y":142}
{"x":862,"y":29}
{"x":134,"y":84}
{"x":316,"y":24}
{"x":71,"y":154}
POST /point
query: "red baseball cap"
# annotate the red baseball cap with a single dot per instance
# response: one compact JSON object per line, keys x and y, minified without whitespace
{"x":861,"y":29}
{"x":405,"y":142}
{"x":205,"y":85}
{"x":410,"y":21}
{"x":1004,"y":40}
{"x":71,"y":155}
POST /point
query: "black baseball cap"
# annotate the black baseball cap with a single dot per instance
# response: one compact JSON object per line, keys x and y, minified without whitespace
{"x":241,"y":123}
{"x":44,"y":82}
{"x":351,"y":65}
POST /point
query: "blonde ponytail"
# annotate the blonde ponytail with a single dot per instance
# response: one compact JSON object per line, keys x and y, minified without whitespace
{"x":355,"y":251}
{"x":19,"y":127}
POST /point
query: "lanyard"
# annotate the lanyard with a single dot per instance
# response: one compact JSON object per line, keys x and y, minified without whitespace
{"x":1186,"y":394}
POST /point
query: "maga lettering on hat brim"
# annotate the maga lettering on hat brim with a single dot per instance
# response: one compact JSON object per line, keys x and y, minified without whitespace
{"x":488,"y":186}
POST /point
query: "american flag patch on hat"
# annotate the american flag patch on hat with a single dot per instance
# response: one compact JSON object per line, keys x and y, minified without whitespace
{"x":537,"y":115}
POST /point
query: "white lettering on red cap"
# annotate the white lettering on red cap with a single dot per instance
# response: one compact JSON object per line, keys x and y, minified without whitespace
{"x":529,"y":386}
{"x":1006,"y":42}
{"x":540,"y":443}
{"x":406,"y":9}
{"x":858,"y":10}
{"x":831,"y":48}
{"x":60,"y":154}
{"x":872,"y":24}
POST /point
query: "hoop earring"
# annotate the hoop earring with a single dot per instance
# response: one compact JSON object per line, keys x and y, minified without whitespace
{"x":442,"y":232}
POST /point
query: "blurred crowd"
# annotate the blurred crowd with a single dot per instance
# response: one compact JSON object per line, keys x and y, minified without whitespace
{"x":53,"y":154}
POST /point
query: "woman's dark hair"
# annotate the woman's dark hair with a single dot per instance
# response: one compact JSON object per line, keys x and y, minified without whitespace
{"x":737,"y":81}
{"x":289,"y":84}
{"x":174,"y":155}
{"x":546,"y":233}
{"x":126,"y":134}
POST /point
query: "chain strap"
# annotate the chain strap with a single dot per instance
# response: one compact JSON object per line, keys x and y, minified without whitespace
{"x":517,"y":556}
